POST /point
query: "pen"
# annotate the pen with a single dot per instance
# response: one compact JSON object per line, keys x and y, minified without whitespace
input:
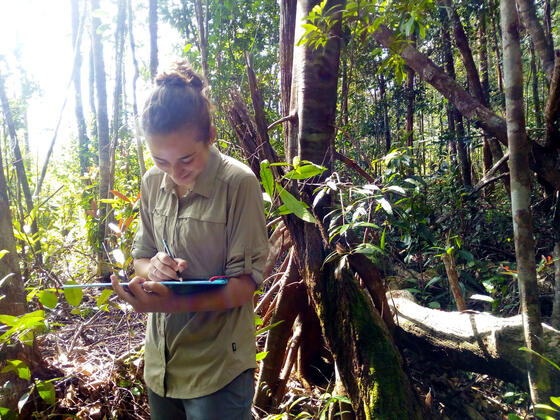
{"x":168,"y":251}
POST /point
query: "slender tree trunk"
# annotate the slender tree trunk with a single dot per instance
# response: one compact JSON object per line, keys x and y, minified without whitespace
{"x":555,"y":319}
{"x":450,"y":69}
{"x":137,"y":129}
{"x":202,"y":36}
{"x":410,"y":103}
{"x":104,"y":143}
{"x":539,"y":381}
{"x":288,"y":10}
{"x":117,"y":95}
{"x":343,"y":117}
{"x":485,"y":85}
{"x":535,"y":88}
{"x":18,"y":163}
{"x":153,"y":24}
{"x":542,"y":45}
{"x":385,"y":109}
{"x":545,"y":160}
{"x":496,"y":37}
{"x":91,"y":86}
{"x":83,"y":141}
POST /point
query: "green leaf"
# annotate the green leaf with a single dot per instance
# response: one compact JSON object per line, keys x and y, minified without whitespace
{"x":434,"y":304}
{"x":3,"y":252}
{"x":73,"y":295}
{"x":305,"y":172}
{"x":269,"y":327}
{"x":294,"y":205}
{"x":48,"y":299}
{"x":5,"y":279}
{"x":104,"y":296}
{"x":23,"y":399}
{"x":7,"y":414}
{"x":540,"y":355}
{"x":261,"y":355}
{"x":258,"y":320}
{"x":267,"y":178}
{"x":382,"y":242}
{"x":46,"y":391}
{"x":19,"y":367}
{"x":555,"y":400}
{"x":433,"y":281}
{"x":512,"y":416}
{"x":396,"y":189}
{"x":385,"y":204}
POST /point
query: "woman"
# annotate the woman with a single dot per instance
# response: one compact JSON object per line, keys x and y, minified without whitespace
{"x":200,"y":347}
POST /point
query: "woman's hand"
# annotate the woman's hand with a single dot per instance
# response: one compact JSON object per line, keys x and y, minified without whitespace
{"x":162,"y":267}
{"x":144,"y":295}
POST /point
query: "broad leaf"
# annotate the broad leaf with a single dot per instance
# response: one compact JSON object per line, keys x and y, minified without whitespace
{"x":48,"y":299}
{"x":105,"y":294}
{"x":73,"y":295}
{"x":294,"y":205}
{"x":267,"y":178}
{"x":46,"y":391}
{"x":19,"y":367}
{"x":261,"y":355}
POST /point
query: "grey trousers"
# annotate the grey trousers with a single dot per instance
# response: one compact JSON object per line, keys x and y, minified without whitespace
{"x":232,"y":402}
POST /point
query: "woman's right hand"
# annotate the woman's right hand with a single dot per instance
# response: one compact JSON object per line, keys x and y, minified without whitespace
{"x":162,"y":267}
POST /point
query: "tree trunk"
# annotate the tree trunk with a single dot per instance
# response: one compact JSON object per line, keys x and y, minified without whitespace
{"x":544,"y":48}
{"x":410,"y":103}
{"x":117,"y":99}
{"x":104,"y":143}
{"x":13,"y":300}
{"x":20,"y":168}
{"x":153,"y":23}
{"x":471,"y":341}
{"x":367,"y":360}
{"x":545,"y":159}
{"x":137,"y":129}
{"x":449,"y":262}
{"x":202,"y":36}
{"x":552,"y":111}
{"x":290,"y":298}
{"x":535,"y":88}
{"x":539,"y":380}
{"x":286,"y":47}
{"x":83,"y":141}
{"x":385,"y":108}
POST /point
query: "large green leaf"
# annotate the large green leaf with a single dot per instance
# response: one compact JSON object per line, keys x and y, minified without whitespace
{"x":48,"y":299}
{"x":305,"y":172}
{"x":267,"y":178}
{"x":46,"y":391}
{"x":73,"y":295}
{"x":19,"y":367}
{"x":294,"y":205}
{"x":105,"y":294}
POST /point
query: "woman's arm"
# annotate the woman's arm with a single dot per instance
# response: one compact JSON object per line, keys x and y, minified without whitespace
{"x":150,"y":296}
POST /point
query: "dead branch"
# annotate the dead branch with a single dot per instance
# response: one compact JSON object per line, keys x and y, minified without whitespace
{"x":350,"y":163}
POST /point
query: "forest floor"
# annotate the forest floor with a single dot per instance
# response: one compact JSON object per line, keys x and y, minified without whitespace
{"x":97,"y":357}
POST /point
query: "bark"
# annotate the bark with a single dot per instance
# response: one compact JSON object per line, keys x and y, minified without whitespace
{"x":279,"y":243}
{"x":13,"y":301}
{"x":544,"y":162}
{"x":102,"y":137}
{"x":137,"y":129}
{"x":552,"y":111}
{"x":290,"y":298}
{"x":287,"y":40}
{"x":539,"y":380}
{"x":465,"y":50}
{"x":453,"y":277}
{"x":83,"y":141}
{"x":535,"y":87}
{"x":361,"y":346}
{"x":202,"y":36}
{"x":485,"y":85}
{"x":450,"y":68}
{"x":153,"y":24}
{"x":471,"y":341}
{"x":544,"y":48}
{"x":496,"y":36}
{"x":343,"y":117}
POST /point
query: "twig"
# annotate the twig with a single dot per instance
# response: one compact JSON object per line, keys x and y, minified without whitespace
{"x":290,"y":117}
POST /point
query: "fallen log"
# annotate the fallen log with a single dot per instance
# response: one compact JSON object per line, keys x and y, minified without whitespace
{"x":472,"y":341}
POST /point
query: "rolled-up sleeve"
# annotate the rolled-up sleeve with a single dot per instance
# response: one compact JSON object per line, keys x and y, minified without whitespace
{"x":143,"y":245}
{"x":247,"y":242}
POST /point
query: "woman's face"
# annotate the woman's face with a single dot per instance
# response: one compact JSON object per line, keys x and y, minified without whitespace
{"x":179,"y":155}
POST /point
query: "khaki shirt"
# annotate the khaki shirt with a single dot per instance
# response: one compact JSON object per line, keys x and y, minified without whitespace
{"x":219,"y":229}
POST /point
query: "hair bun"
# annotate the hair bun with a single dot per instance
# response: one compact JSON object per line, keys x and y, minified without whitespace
{"x":182,"y":75}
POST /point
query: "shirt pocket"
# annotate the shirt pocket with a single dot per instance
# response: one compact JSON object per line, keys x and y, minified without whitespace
{"x":160,"y":223}
{"x":202,"y":231}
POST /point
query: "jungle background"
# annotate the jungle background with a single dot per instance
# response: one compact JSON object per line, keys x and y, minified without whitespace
{"x":409,"y":158}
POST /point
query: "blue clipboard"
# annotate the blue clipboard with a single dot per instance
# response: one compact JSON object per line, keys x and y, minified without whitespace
{"x":184,"y":287}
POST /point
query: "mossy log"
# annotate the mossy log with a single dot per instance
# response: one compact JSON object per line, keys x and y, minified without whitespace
{"x":471,"y":341}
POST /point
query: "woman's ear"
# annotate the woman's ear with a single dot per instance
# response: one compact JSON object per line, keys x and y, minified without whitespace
{"x":213,"y":134}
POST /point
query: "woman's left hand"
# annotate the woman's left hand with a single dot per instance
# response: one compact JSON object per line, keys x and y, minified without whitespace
{"x":144,"y":295}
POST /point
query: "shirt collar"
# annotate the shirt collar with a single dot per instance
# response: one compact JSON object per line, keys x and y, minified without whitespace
{"x":205,"y":181}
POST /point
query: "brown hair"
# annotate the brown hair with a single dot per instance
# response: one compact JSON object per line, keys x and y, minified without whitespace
{"x":178,"y":101}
